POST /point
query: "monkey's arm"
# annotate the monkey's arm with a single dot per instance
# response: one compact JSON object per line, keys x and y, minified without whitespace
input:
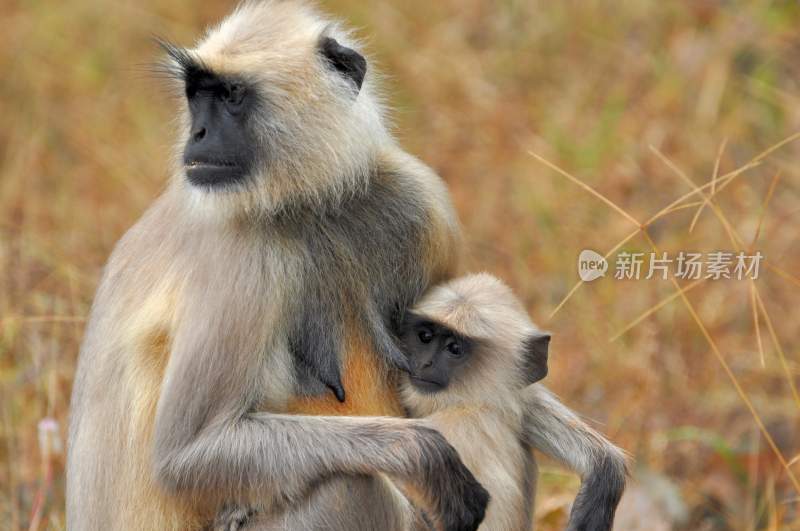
{"x":554,"y":429}
{"x":208,"y":441}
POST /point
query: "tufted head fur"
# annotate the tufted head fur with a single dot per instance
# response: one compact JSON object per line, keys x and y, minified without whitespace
{"x":509,"y":351}
{"x":317,"y":124}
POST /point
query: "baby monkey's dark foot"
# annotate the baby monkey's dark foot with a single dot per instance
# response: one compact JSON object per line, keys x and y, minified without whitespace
{"x":233,"y":518}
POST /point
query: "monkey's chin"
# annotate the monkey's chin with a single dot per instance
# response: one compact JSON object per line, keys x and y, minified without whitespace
{"x":211,"y":175}
{"x":425,"y":386}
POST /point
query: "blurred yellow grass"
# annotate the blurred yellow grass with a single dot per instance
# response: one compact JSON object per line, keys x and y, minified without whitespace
{"x":681,"y":292}
{"x":589,"y":87}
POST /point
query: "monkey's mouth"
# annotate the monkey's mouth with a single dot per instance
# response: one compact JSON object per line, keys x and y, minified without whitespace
{"x":206,"y":172}
{"x":425,"y":386}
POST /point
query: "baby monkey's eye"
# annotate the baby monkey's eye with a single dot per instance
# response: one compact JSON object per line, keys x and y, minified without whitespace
{"x":454,"y":349}
{"x":425,"y":335}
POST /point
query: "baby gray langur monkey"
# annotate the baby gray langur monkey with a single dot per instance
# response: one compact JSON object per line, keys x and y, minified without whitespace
{"x":474,"y":355}
{"x":471,"y":350}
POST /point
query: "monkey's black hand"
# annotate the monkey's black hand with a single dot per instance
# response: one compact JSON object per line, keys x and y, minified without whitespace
{"x":458,"y":498}
{"x":232,"y":518}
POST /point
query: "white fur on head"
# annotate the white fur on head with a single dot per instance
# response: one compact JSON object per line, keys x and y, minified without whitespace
{"x":481,"y":307}
{"x":320,"y":138}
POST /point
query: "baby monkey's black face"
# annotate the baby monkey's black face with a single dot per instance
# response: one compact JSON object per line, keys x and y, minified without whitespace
{"x":219,"y":149}
{"x":435,"y":354}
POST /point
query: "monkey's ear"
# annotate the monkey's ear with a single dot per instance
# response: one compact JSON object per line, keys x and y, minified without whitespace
{"x":535,"y":352}
{"x":347,"y":61}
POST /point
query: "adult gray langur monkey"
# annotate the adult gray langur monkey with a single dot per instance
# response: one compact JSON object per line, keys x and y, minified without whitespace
{"x":238,"y":350}
{"x":474,"y":360}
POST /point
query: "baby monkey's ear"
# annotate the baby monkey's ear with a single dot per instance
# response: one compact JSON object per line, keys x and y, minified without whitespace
{"x":346,"y":61}
{"x":535,"y":351}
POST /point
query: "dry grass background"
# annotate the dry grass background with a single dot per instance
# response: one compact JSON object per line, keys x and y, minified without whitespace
{"x":599,"y":88}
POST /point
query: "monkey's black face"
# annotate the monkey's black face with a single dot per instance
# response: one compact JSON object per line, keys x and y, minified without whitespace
{"x":220,"y":149}
{"x":435,"y":354}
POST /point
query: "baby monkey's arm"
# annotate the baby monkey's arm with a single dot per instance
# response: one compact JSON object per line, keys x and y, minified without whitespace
{"x":554,"y":429}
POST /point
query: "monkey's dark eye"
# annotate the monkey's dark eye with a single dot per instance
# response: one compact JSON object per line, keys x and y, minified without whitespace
{"x":454,"y":348}
{"x":233,"y":95}
{"x":425,"y":335}
{"x":191,"y":91}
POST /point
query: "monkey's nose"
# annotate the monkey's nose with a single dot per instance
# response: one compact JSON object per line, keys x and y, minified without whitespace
{"x":199,"y":134}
